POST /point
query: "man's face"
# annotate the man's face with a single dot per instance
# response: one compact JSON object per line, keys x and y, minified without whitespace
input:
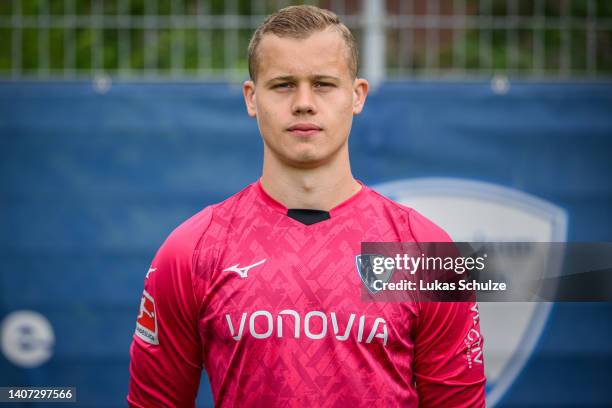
{"x":305,"y":97}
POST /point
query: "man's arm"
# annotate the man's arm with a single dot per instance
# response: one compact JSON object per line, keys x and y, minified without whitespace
{"x":448,"y":357}
{"x":448,"y":362}
{"x":165,"y":367}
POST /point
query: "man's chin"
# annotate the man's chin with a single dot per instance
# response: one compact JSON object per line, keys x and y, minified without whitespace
{"x":306,"y":160}
{"x":306,"y":157}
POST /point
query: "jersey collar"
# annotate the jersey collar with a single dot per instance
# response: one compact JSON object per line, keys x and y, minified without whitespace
{"x":279,"y":207}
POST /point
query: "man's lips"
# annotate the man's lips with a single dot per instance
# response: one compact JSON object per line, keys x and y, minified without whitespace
{"x":304,"y":129}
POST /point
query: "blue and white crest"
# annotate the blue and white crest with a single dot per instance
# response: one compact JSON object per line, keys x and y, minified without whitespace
{"x":365,"y":268}
{"x":478,"y":211}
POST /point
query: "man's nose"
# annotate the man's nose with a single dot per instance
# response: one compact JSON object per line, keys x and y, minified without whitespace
{"x":303,"y":101}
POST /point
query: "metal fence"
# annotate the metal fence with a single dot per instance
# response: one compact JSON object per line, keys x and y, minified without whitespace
{"x":207,"y":39}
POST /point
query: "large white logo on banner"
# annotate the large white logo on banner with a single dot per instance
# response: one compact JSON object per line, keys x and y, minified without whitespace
{"x":478,"y":211}
{"x":27,"y":338}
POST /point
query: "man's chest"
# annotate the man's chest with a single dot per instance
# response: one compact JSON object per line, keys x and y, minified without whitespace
{"x":289,"y":286}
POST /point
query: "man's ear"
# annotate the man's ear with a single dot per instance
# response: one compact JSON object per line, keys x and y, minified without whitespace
{"x":360,"y":92}
{"x":248,"y":90}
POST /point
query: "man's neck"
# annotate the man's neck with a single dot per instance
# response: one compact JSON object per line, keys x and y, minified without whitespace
{"x":320,"y":188}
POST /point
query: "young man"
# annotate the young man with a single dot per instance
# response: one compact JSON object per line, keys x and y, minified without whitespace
{"x":261,"y":290}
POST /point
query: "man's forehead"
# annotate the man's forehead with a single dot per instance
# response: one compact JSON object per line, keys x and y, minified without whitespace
{"x":321,"y":53}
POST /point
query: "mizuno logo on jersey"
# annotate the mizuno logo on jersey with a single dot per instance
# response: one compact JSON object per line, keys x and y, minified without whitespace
{"x":243,"y":272}
{"x":261,"y":324}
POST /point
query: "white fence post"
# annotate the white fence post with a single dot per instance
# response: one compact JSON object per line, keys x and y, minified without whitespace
{"x":374,"y":44}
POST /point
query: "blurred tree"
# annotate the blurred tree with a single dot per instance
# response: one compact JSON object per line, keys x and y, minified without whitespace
{"x":84,"y":36}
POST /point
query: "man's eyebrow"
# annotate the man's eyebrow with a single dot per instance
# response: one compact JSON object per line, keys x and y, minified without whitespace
{"x":325,"y":77}
{"x":280,"y":78}
{"x":292,"y":78}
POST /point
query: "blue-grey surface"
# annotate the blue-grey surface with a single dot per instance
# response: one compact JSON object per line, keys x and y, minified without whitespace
{"x":90,"y":185}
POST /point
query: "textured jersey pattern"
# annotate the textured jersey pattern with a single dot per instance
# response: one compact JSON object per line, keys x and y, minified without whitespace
{"x":272,"y":310}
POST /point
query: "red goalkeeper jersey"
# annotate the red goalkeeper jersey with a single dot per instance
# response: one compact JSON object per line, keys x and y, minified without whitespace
{"x":272,"y":309}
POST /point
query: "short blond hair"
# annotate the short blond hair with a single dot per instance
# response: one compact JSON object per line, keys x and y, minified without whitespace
{"x":300,"y":22}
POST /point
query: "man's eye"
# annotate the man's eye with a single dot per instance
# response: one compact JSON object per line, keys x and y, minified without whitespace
{"x":283,"y":85}
{"x":323,"y":85}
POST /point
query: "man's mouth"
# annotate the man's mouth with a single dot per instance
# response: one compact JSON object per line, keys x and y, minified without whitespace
{"x":304,"y":129}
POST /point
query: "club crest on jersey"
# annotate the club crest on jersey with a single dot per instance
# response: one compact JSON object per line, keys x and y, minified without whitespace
{"x":146,"y":324}
{"x":364,"y":264}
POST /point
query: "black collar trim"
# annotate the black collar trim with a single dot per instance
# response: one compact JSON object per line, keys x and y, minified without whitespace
{"x":308,"y":217}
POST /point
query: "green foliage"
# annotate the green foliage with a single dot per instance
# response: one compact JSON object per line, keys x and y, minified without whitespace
{"x":61,"y":44}
{"x":5,"y":48}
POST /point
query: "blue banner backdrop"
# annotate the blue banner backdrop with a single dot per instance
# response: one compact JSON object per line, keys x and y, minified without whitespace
{"x":91,"y":183}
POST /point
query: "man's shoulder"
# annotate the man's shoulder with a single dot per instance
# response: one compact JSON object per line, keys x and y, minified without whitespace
{"x":421,"y":228}
{"x":207,"y":221}
{"x":389,"y":204}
